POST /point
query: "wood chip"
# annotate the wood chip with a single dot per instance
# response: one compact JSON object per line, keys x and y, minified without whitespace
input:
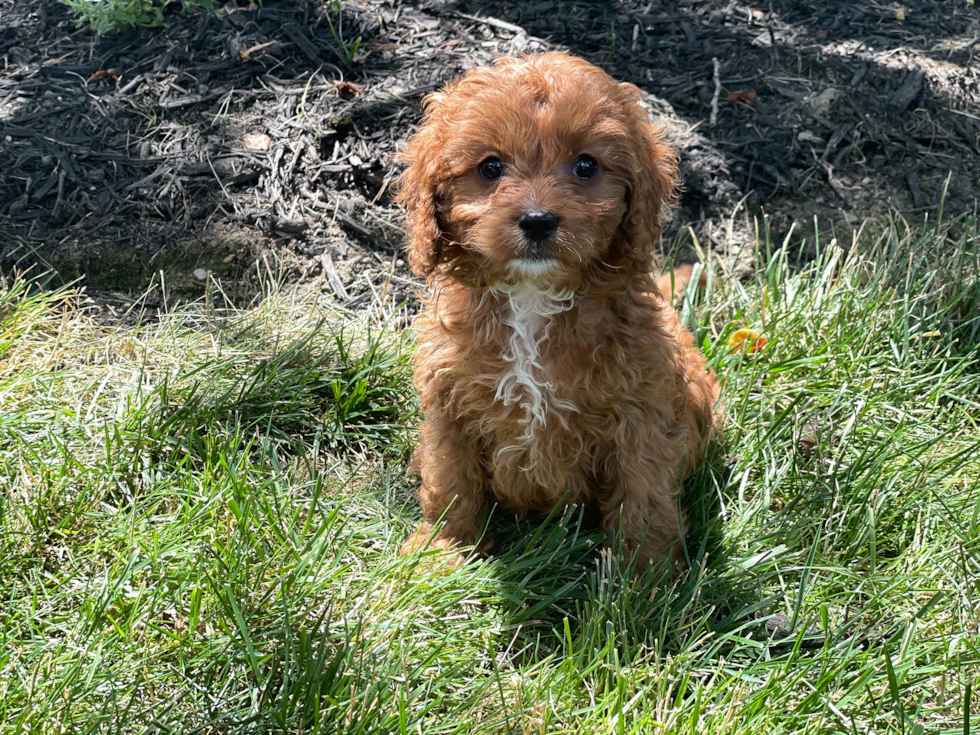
{"x":909,"y":90}
{"x":302,"y":40}
{"x":333,"y":278}
{"x":713,"y":120}
{"x":257,"y":141}
{"x":835,"y":140}
{"x":503,"y":25}
{"x":912,"y":179}
{"x":290,"y":226}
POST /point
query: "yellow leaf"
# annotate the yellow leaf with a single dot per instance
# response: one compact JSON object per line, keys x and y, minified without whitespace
{"x":745,"y":340}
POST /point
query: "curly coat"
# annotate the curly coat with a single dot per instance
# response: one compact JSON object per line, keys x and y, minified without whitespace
{"x":557,"y":378}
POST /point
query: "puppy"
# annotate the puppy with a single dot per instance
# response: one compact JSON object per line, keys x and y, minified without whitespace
{"x":551,"y":369}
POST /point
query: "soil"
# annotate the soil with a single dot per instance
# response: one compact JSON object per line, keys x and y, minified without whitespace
{"x":246,"y":140}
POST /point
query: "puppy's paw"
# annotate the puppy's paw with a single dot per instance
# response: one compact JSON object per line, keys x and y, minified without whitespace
{"x":670,"y":558}
{"x":425,"y":537}
{"x":651,"y":553}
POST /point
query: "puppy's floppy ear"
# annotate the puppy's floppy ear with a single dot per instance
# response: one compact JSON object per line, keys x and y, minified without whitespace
{"x":653,"y":185}
{"x":418,"y":193}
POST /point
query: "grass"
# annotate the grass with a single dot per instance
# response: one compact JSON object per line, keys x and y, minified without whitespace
{"x":199,"y":524}
{"x":110,"y":16}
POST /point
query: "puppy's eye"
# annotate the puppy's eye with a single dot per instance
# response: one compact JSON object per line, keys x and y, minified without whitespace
{"x":585,"y":167}
{"x":491,"y":168}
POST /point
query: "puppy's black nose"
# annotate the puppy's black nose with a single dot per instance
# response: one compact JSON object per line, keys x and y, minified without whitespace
{"x":538,"y":224}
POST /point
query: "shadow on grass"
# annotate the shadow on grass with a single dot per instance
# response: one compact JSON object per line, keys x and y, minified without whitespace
{"x":564,"y":592}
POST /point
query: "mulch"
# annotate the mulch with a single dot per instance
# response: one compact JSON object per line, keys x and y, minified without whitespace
{"x":251,"y":140}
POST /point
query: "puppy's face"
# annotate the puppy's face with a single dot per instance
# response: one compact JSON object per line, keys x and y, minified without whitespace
{"x":537,"y":179}
{"x":534,"y":169}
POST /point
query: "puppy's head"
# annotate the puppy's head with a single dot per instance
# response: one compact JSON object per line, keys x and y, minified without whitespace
{"x":535,"y":169}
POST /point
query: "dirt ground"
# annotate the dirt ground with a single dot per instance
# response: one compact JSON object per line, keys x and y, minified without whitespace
{"x":248,"y":132}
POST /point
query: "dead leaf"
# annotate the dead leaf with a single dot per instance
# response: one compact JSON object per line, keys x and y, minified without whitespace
{"x":747,"y":96}
{"x":900,"y":13}
{"x":346,"y":89}
{"x":812,"y":434}
{"x":246,"y":53}
{"x":113,"y":72}
{"x":822,"y":35}
{"x":257,"y":141}
{"x":807,"y":439}
{"x":173,"y":620}
{"x":746,"y":340}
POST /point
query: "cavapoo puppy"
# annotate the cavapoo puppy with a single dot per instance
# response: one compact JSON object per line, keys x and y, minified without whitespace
{"x":550,"y":367}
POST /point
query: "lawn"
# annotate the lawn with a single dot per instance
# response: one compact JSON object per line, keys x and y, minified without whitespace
{"x":200,"y":518}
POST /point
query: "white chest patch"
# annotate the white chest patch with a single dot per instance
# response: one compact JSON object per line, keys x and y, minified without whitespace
{"x":529,"y":311}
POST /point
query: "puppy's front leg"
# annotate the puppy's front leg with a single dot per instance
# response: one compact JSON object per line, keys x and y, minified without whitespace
{"x":454,"y":486}
{"x":641,"y":504}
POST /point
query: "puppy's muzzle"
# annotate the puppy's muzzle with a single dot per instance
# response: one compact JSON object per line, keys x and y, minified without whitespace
{"x":539,"y":227}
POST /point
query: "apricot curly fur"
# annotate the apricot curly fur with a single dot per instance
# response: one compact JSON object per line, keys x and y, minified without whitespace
{"x":552,"y":377}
